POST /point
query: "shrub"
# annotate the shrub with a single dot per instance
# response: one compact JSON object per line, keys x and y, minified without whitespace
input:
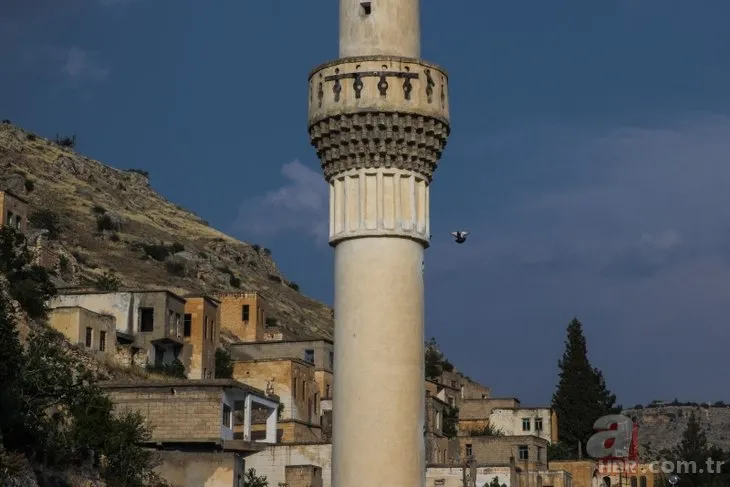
{"x":63,"y":264}
{"x":32,"y":137}
{"x":99,"y":210}
{"x":68,"y":142}
{"x":139,"y":171}
{"x":174,"y":369}
{"x":157,"y":252}
{"x":108,"y":282}
{"x":293,"y":285}
{"x":234,"y":281}
{"x":267,"y":251}
{"x":256,"y":247}
{"x":29,"y":185}
{"x":106,"y":222}
{"x":175,"y":268}
{"x":114,"y":237}
{"x":271,"y":322}
{"x":274,"y":277}
{"x":46,"y":220}
{"x":176,"y":247}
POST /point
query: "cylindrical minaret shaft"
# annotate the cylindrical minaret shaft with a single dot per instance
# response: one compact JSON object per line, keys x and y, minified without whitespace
{"x":380,"y":28}
{"x":378,"y":117}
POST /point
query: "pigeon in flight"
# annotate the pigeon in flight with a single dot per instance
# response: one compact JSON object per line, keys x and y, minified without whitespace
{"x":460,"y":236}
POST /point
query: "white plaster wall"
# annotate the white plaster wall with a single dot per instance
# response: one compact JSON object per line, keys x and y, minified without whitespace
{"x":272,"y":462}
{"x":509,"y":421}
{"x":452,"y":477}
{"x":120,"y":305}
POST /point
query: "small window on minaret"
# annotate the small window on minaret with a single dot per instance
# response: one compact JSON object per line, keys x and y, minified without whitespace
{"x":366,"y":8}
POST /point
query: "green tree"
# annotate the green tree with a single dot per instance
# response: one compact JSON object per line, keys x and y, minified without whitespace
{"x":693,"y":447}
{"x":434,"y":360}
{"x":223,"y":364}
{"x":451,"y":421}
{"x":493,"y":483}
{"x":28,"y":284}
{"x":581,"y":396}
{"x":253,"y":480}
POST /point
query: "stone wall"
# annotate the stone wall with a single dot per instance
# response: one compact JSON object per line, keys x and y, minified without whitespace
{"x":175,"y":414}
{"x":501,"y":449}
{"x":273,"y":461}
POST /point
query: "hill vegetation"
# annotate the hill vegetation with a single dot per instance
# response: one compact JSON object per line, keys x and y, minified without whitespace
{"x":110,"y":229}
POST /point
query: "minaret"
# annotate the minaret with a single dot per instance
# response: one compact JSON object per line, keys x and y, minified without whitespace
{"x":379,"y":119}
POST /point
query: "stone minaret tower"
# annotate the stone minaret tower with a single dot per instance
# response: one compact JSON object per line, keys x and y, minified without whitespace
{"x":379,"y":119}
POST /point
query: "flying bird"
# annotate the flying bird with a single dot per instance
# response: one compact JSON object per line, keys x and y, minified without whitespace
{"x":460,"y":236}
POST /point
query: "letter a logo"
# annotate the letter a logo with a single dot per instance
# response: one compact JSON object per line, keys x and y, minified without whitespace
{"x":613,"y":438}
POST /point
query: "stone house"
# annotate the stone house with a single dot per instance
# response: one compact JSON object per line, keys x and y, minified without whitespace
{"x":202,"y":333}
{"x":243,"y":315}
{"x":507,"y":416}
{"x":293,"y":381}
{"x":147,"y":320}
{"x":440,"y":450}
{"x":528,"y":451}
{"x":319,"y":353}
{"x":93,"y":331}
{"x":13,"y":211}
{"x":192,"y":424}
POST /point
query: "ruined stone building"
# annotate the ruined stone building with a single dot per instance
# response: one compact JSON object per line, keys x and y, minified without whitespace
{"x":148,"y":323}
{"x":13,"y":211}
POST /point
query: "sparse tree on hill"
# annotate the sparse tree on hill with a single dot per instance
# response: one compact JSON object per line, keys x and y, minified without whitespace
{"x":581,"y":396}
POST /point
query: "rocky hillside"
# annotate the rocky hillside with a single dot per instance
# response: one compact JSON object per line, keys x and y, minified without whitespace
{"x":111,"y":222}
{"x":661,"y":426}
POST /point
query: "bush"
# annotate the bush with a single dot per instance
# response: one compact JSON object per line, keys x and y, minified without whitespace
{"x":177,"y":247}
{"x":294,"y":286}
{"x":108,"y":282}
{"x":274,"y":277}
{"x":99,"y":210}
{"x":223,"y":364}
{"x":105,"y":222}
{"x":29,"y":185}
{"x":46,"y":220}
{"x":174,"y":369}
{"x":139,"y":171}
{"x":68,"y":142}
{"x":175,"y":268}
{"x":156,"y":252}
{"x":234,"y":281}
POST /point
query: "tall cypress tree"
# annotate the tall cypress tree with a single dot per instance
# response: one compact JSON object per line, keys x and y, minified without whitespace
{"x":581,"y":396}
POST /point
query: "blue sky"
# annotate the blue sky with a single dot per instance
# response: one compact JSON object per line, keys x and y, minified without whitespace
{"x":589,"y":157}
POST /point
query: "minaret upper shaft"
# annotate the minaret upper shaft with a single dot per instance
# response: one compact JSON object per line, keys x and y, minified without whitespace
{"x":380,"y":28}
